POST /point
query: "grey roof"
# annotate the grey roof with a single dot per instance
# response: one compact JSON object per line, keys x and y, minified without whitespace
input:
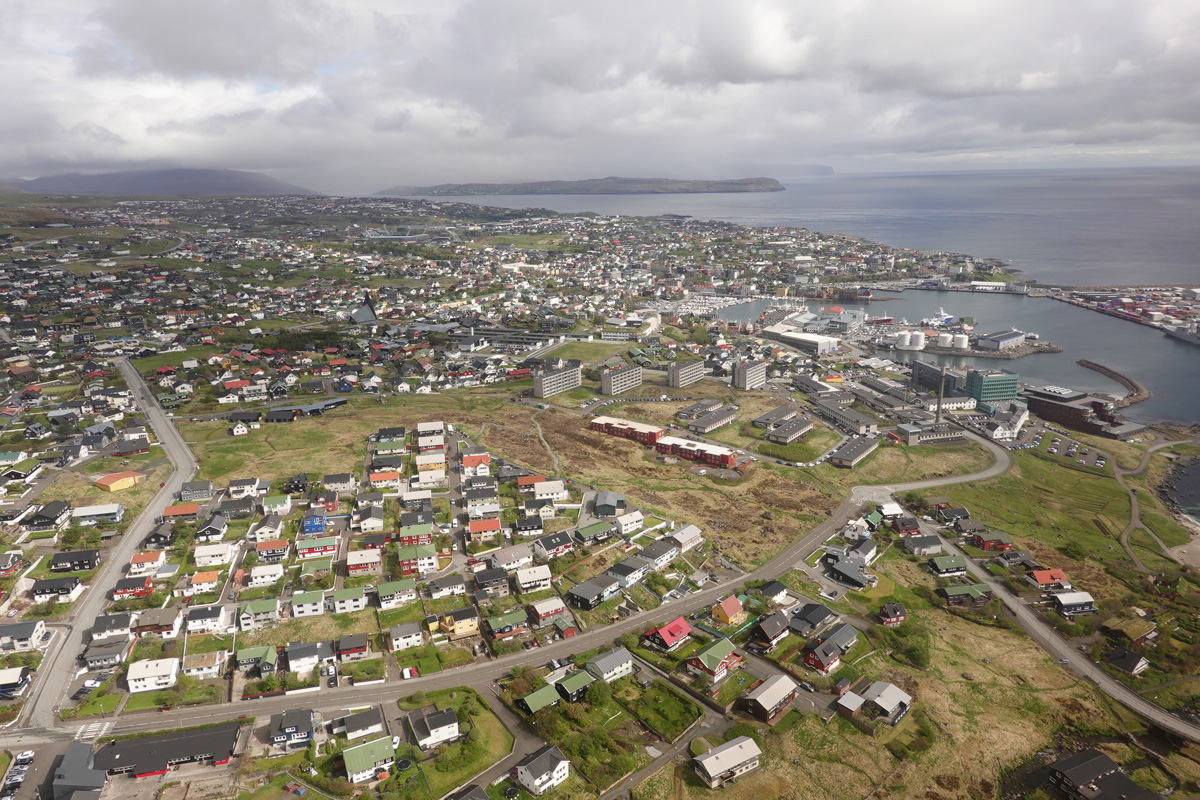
{"x":299,"y":718}
{"x":655,"y":550}
{"x":404,"y":629}
{"x":76,"y":774}
{"x":423,"y":722}
{"x":607,"y":662}
{"x":448,"y":582}
{"x":363,"y":720}
{"x":542,"y":762}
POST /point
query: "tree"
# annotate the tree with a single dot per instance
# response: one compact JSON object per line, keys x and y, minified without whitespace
{"x":599,"y":693}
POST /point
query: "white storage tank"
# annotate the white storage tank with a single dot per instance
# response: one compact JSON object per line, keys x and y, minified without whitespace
{"x":961,"y":342}
{"x":945,"y":339}
{"x":918,"y":340}
{"x":904,"y":340}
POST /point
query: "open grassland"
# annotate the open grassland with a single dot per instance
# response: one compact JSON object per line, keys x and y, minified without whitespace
{"x":80,"y":491}
{"x":900,"y":464}
{"x":751,"y":520}
{"x":1048,"y":507}
{"x":592,"y":351}
{"x":334,"y":442}
{"x":987,"y":690}
{"x":311,"y":629}
{"x":1153,"y":513}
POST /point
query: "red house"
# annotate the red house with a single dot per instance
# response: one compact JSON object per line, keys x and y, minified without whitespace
{"x":414,"y":538}
{"x":327,"y":501}
{"x":317,"y":548}
{"x":476,"y":459}
{"x":670,"y":636}
{"x":133,"y":587}
{"x":892,"y":614}
{"x":992,"y":541}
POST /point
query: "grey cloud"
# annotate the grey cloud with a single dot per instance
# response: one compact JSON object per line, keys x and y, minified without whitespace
{"x":355,"y":95}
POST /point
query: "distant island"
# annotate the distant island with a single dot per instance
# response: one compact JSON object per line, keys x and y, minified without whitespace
{"x":592,"y":186}
{"x":161,"y":182}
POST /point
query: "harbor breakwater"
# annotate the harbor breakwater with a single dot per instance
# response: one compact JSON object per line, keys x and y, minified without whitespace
{"x":1136,"y":391}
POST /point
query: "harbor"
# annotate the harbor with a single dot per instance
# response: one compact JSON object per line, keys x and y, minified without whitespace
{"x":1166,"y":367}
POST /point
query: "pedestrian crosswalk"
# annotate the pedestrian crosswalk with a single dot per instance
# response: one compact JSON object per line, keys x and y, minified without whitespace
{"x":92,"y":731}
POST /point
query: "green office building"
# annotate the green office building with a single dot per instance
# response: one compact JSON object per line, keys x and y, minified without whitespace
{"x":990,"y":386}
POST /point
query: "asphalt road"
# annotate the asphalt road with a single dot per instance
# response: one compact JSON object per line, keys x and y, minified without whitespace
{"x":41,"y":722}
{"x":60,"y":665}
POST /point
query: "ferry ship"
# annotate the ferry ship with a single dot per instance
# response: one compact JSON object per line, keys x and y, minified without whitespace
{"x":1184,"y":333}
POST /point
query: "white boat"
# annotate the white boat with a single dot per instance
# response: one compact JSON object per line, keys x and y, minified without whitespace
{"x":940,"y":318}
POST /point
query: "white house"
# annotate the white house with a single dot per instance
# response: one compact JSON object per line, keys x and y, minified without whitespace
{"x":265,"y":575}
{"x":628,"y":523}
{"x":433,"y":728}
{"x":533,"y":579}
{"x":687,"y":537}
{"x":214,"y":555}
{"x":152,"y":675}
{"x":542,"y":770}
{"x":308,"y":604}
{"x":550,"y":490}
{"x":406,"y":635}
{"x":204,"y":665}
{"x":611,"y":666}
{"x":267,"y":529}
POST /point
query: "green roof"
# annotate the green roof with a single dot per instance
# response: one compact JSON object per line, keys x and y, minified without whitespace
{"x":364,"y":757}
{"x":348,"y":594}
{"x":944,"y":563}
{"x":577,"y":680}
{"x":973,"y":590}
{"x":324,"y":541}
{"x":416,"y":551}
{"x":276,"y":500}
{"x":595,"y":527}
{"x":415,"y":530}
{"x":313,"y":566}
{"x":265,"y":652}
{"x":874,"y":518}
{"x":511,"y":618}
{"x":25,"y":466}
{"x":539,"y":699}
{"x":307,"y":597}
{"x":713,"y":654}
{"x":563,"y":624}
{"x":261,"y":606}
{"x":395,"y":587}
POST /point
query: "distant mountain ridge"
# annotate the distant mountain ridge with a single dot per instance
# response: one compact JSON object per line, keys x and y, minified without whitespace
{"x":611,"y":185}
{"x":158,"y":182}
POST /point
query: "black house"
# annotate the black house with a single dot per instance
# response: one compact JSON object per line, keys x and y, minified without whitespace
{"x":75,"y":561}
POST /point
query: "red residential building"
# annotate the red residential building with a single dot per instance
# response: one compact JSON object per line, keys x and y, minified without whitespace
{"x":669,"y":636}
{"x":713,"y":455}
{"x":133,"y":587}
{"x":646,"y":434}
{"x":476,"y":459}
{"x":413,"y":538}
{"x":892,"y":614}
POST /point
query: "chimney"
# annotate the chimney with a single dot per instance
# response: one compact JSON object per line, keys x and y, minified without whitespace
{"x":941,"y":391}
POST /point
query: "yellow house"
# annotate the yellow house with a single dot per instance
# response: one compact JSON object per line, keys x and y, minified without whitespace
{"x":729,"y":611}
{"x":460,"y":623}
{"x":120,"y":480}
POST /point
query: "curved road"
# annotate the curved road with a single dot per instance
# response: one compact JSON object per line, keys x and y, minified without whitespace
{"x":1135,"y":512}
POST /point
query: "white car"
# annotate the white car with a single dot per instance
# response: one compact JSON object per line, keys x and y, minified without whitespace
{"x":92,"y":684}
{"x":703,"y":472}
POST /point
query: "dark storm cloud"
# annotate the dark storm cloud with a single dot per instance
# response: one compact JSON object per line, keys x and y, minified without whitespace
{"x":355,"y":96}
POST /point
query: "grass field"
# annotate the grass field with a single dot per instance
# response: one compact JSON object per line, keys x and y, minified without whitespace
{"x":310,"y":629}
{"x":660,"y":707}
{"x":1049,"y":506}
{"x":591,"y":351}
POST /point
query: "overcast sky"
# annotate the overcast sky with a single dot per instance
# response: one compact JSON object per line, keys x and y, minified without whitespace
{"x":353,"y":97}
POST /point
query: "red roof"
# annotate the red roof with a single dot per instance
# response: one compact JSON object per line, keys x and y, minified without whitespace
{"x":674,"y":630}
{"x":730,"y":606}
{"x":484,"y":525}
{"x":1044,"y":576}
